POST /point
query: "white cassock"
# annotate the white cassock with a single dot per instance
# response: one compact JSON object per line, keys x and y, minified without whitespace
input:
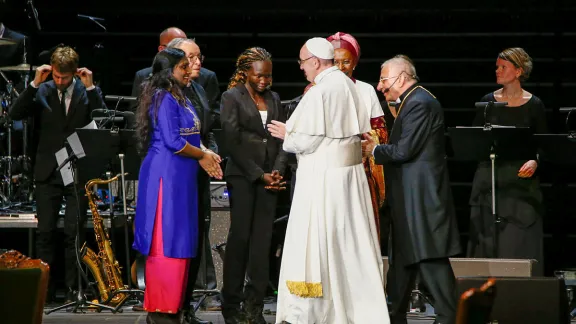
{"x":368,"y":95}
{"x":332,"y":270}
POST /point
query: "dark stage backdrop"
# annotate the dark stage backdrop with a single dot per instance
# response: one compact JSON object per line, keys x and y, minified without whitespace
{"x":453,"y":44}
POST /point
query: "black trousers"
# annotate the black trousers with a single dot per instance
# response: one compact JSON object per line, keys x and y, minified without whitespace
{"x":252,"y":213}
{"x":49,"y":196}
{"x":202,"y":274}
{"x":438,"y":277}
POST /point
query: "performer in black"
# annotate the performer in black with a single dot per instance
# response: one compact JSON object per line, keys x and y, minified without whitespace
{"x":424,"y":233}
{"x":58,"y":107}
{"x":519,"y":198}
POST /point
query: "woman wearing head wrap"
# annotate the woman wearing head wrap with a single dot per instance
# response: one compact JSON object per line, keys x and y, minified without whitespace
{"x":346,"y":55}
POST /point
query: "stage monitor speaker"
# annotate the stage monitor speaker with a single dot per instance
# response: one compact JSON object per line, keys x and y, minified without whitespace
{"x":470,"y":267}
{"x":535,"y":300}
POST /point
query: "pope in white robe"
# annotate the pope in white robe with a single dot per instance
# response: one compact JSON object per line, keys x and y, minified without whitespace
{"x":332,"y":270}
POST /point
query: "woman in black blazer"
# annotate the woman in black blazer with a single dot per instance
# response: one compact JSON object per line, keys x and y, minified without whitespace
{"x":256,"y":160}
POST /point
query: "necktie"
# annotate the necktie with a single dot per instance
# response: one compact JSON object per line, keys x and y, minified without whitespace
{"x":63,"y":103}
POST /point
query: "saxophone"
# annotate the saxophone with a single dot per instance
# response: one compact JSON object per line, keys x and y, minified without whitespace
{"x":103,"y":266}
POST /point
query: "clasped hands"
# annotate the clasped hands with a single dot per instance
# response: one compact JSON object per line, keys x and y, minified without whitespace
{"x":210,"y":162}
{"x":274,"y":181}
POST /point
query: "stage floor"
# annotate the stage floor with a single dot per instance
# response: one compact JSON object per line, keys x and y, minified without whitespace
{"x":132,"y":317}
{"x":129,"y":316}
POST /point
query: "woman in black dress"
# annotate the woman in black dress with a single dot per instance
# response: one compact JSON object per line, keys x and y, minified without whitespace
{"x":519,"y":198}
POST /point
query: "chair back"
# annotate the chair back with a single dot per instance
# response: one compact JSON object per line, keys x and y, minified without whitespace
{"x":23,"y":288}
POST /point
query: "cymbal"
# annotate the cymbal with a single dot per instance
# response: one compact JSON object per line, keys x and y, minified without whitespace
{"x":20,"y":67}
{"x":7,"y":41}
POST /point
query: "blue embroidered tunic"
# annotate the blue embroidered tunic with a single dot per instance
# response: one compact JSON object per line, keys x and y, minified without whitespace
{"x":173,"y":126}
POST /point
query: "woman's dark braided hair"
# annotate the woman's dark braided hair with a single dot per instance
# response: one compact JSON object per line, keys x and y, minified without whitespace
{"x":154,"y":89}
{"x":244,"y":64}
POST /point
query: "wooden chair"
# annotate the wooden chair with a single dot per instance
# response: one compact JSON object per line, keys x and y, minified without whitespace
{"x":23,"y":288}
{"x":475,"y":305}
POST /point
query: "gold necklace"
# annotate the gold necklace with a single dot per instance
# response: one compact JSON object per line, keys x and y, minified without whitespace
{"x":253,"y":99}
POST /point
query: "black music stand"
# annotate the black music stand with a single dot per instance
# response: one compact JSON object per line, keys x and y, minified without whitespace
{"x":109,"y":151}
{"x":557,"y":148}
{"x":491,"y":143}
{"x":79,"y":152}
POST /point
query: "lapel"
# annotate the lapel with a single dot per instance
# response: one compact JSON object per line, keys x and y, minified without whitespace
{"x":77,"y":95}
{"x":203,"y":111}
{"x":252,"y":110}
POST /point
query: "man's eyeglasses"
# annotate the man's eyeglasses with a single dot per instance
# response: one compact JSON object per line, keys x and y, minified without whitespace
{"x":304,"y":60}
{"x":382,"y":79}
{"x":199,"y":57}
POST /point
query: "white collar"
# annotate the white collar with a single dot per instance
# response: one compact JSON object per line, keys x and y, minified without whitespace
{"x":2,"y":30}
{"x":324,"y":73}
{"x":70,"y":89}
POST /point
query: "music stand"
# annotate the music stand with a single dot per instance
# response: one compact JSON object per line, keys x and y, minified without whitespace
{"x":556,"y":148}
{"x":114,"y":148}
{"x":70,"y":163}
{"x":491,"y":143}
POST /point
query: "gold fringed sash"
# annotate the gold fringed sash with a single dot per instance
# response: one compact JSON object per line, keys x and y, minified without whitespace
{"x":305,"y":289}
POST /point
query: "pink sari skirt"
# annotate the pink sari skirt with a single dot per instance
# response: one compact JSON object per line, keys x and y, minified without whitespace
{"x":166,"y":278}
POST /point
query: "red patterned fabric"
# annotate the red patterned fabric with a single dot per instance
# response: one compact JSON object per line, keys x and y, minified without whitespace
{"x":375,"y":172}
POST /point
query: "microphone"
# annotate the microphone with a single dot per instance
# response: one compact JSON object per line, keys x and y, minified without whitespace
{"x":483,"y":104}
{"x":93,"y":19}
{"x":34,"y":13}
{"x":119,"y":98}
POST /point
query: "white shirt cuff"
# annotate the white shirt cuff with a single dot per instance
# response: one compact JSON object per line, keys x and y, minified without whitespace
{"x":33,"y":85}
{"x":374,"y":149}
{"x":92,"y":87}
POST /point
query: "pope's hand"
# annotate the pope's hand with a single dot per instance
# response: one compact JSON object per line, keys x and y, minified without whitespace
{"x":277,"y":129}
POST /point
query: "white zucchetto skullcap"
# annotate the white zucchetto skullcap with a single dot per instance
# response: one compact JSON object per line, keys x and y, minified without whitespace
{"x":321,"y":48}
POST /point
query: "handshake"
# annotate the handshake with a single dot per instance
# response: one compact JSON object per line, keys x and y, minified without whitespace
{"x":274,"y":181}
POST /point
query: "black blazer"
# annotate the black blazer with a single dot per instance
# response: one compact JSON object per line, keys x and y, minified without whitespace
{"x":207,"y":80}
{"x":205,"y":114}
{"x":248,"y":142}
{"x":52,"y":125}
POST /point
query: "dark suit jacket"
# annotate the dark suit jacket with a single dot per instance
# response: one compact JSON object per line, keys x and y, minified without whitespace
{"x":205,"y":114}
{"x":51,"y":123}
{"x":207,"y":80}
{"x":248,"y":142}
{"x":417,"y":184}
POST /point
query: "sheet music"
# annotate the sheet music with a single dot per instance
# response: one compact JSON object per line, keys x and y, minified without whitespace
{"x":66,"y":171}
{"x":91,"y":125}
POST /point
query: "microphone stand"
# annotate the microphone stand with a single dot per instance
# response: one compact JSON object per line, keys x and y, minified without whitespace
{"x":112,"y":116}
{"x":80,"y":302}
{"x":497,"y":219}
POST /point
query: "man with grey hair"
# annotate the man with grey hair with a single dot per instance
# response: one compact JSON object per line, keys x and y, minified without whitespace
{"x":332,"y":269}
{"x":424,"y":230}
{"x":197,"y":277}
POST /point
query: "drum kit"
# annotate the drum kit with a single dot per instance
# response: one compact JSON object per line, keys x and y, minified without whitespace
{"x":16,"y":185}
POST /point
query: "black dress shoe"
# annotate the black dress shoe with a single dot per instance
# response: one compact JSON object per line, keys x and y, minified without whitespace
{"x":234,"y":316}
{"x":254,"y":313}
{"x":192,"y":319}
